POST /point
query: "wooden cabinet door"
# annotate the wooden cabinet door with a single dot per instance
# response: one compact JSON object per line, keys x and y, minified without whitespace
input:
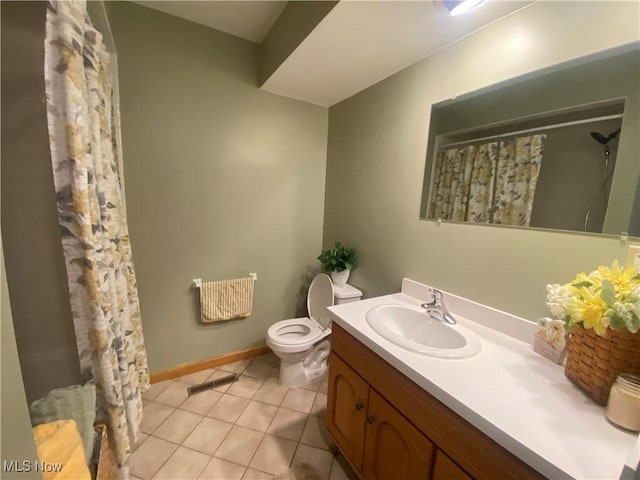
{"x":347,"y":409}
{"x":395,"y":449}
{"x":446,"y":469}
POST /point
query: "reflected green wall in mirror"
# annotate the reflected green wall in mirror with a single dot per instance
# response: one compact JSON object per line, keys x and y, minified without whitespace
{"x":606,"y":83}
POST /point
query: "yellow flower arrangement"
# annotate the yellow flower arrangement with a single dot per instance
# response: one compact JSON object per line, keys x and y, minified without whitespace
{"x":606,"y":298}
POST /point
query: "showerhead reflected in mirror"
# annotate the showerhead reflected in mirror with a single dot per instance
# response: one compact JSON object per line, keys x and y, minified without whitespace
{"x":604,"y":140}
{"x":602,"y":194}
{"x":556,"y":150}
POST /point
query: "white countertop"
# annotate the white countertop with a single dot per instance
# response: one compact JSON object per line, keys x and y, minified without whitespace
{"x":518,"y":398}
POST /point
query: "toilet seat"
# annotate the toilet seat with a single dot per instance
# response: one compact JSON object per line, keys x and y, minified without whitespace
{"x":295,"y":331}
{"x":299,"y":334}
{"x":295,"y":334}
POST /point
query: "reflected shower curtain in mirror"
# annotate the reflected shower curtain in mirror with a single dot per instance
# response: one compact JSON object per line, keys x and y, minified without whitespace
{"x":94,"y":232}
{"x":516,"y":179}
{"x":463,"y":183}
{"x":491,"y":182}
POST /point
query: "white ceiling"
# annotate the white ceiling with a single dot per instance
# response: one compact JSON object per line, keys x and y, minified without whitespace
{"x":360,"y":43}
{"x":246,"y":19}
{"x":357,"y":44}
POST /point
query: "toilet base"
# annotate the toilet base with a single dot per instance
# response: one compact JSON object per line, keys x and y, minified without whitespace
{"x":295,"y":375}
{"x":296,"y":371}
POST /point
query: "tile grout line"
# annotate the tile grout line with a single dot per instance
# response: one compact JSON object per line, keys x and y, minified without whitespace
{"x":213,"y":455}
{"x":171,"y":456}
{"x":225,"y":460}
{"x":266,"y":432}
{"x":235,"y":424}
{"x":263,"y":380}
{"x":219,"y":458}
{"x":182,"y":444}
{"x":275,"y":414}
{"x":163,"y":463}
{"x":174,"y":411}
{"x":263,"y":433}
{"x":254,"y":453}
{"x":301,"y":434}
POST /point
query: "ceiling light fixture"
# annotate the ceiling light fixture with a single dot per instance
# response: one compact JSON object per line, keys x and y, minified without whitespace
{"x":457,"y":7}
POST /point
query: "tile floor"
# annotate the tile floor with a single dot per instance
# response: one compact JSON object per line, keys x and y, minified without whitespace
{"x":252,"y":429}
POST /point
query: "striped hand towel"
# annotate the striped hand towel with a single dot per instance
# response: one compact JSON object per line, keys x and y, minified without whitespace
{"x":226,"y":299}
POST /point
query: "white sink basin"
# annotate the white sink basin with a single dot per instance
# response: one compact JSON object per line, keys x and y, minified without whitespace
{"x":412,"y":328}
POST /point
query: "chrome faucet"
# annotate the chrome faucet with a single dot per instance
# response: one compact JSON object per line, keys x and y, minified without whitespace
{"x":437,"y":306}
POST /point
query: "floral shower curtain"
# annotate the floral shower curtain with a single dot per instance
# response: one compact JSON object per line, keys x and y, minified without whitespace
{"x":463,"y":183}
{"x":516,"y":179}
{"x":95,"y":238}
{"x":491,"y":182}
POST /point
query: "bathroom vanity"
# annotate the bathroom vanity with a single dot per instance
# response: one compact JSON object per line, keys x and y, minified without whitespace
{"x":363,"y":415}
{"x":504,"y":413}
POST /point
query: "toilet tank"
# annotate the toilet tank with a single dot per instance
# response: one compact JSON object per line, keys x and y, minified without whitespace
{"x":346,"y":294}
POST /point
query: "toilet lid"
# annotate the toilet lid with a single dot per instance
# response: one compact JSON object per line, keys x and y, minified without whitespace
{"x":320,"y":297}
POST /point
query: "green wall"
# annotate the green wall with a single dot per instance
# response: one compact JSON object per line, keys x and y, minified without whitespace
{"x":35,"y":264}
{"x":222,"y":179}
{"x":571,"y":179}
{"x":376,"y":163}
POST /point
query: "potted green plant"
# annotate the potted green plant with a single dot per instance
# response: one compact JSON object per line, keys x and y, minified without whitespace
{"x":338,"y":261}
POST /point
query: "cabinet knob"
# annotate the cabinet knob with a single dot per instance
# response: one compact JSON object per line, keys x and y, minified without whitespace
{"x":370,"y":419}
{"x":359,"y":406}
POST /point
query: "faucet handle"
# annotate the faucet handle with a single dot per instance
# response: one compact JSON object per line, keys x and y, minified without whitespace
{"x":437,"y":297}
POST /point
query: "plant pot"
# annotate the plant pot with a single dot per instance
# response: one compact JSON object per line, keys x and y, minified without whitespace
{"x":594,"y":362}
{"x":340,"y":278}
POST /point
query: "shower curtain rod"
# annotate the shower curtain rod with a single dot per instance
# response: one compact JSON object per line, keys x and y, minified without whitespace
{"x":536,"y":129}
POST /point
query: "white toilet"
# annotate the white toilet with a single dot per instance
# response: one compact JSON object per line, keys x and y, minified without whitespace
{"x":302,"y":344}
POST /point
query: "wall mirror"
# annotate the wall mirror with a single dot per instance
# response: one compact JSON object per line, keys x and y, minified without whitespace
{"x":557,"y":149}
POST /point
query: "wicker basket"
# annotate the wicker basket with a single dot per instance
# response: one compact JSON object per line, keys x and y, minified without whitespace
{"x":106,"y":463}
{"x":594,"y":362}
